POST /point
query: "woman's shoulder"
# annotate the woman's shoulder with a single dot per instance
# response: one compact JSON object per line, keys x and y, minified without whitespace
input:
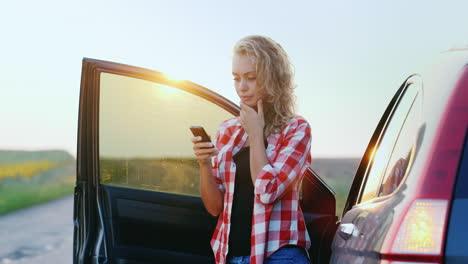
{"x":296,"y":121}
{"x":295,"y":126}
{"x":228,"y":125}
{"x":230,"y":122}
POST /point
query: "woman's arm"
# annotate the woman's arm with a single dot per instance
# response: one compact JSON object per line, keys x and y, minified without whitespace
{"x":258,"y":158}
{"x":253,"y":123}
{"x":212,"y":196}
{"x":274,"y":180}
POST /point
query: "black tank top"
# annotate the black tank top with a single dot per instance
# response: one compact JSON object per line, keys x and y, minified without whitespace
{"x":242,"y":206}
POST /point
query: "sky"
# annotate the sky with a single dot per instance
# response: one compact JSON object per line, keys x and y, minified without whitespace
{"x":349,"y":57}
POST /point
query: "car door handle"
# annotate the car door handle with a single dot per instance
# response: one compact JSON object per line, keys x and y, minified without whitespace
{"x":346,"y":230}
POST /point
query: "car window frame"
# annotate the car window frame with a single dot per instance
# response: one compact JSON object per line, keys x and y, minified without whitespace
{"x":410,"y":82}
{"x":414,"y":149}
{"x":89,"y":105}
{"x":366,"y":163}
{"x":394,"y":141}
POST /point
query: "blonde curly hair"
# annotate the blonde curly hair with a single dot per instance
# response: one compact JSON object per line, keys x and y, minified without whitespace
{"x":275,"y":79}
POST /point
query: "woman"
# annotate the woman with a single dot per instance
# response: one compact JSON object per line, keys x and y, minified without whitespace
{"x":251,"y":177}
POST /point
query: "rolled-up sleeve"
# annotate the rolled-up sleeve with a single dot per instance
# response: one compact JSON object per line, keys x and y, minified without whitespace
{"x":214,"y":171}
{"x":274,"y":180}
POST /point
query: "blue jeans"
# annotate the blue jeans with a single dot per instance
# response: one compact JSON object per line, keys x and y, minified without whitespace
{"x":284,"y":255}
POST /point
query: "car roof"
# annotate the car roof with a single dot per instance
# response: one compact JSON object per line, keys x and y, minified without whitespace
{"x":439,"y":76}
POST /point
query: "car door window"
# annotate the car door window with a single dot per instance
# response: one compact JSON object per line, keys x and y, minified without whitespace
{"x":404,"y":151}
{"x":383,"y":150}
{"x":145,"y":141}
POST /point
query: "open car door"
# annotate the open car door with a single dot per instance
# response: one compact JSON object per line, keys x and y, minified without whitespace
{"x":137,"y":194}
{"x":373,"y":196}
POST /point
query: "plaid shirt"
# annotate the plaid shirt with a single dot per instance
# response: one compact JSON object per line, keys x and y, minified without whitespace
{"x":277,"y":217}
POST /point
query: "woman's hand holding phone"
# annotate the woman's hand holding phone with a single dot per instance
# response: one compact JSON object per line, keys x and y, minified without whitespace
{"x":202,"y":148}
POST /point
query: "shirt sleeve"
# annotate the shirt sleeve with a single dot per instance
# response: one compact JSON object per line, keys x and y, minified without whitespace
{"x":215,"y":163}
{"x":274,"y":180}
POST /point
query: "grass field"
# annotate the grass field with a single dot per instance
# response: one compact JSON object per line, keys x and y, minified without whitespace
{"x":30,"y":178}
{"x":14,"y":196}
{"x":338,"y":173}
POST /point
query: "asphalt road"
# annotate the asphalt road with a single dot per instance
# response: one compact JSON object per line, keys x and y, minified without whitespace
{"x":41,"y":234}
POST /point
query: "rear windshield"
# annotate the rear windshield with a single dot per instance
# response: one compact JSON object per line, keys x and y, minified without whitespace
{"x":462,"y":179}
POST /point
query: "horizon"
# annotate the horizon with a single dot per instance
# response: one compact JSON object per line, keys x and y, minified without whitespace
{"x":74,"y":155}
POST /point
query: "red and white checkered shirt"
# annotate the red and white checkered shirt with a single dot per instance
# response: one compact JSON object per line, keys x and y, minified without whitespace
{"x":277,"y":216}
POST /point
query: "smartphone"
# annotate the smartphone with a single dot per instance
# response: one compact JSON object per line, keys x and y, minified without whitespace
{"x":199,"y":131}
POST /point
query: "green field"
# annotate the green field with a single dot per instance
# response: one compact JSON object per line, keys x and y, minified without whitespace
{"x":30,"y":178}
{"x":338,"y":173}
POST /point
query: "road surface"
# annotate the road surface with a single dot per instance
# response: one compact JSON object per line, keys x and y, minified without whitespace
{"x":42,"y":234}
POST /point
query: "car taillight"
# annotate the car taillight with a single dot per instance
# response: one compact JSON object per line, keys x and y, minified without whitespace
{"x":420,"y":235}
{"x":422,"y":229}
